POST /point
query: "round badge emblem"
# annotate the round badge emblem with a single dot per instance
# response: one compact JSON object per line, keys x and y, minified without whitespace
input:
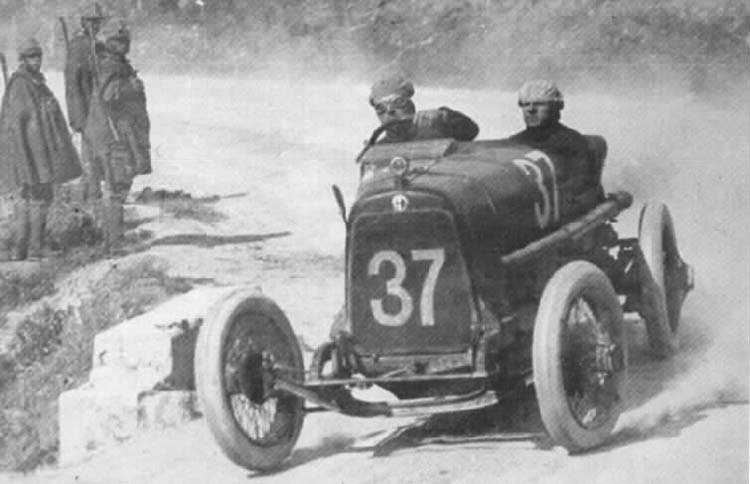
{"x":400,"y":203}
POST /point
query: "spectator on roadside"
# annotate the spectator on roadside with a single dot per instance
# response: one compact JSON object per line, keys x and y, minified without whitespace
{"x":36,"y":151}
{"x":118,"y":128}
{"x":80,"y":76}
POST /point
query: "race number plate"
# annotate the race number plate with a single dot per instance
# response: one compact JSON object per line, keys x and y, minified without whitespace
{"x":409,"y":290}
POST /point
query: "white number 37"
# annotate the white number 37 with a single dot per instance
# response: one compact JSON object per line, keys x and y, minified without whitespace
{"x":394,"y":286}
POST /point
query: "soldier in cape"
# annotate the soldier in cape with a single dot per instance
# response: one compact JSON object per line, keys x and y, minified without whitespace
{"x":117,"y":128}
{"x":36,"y":152}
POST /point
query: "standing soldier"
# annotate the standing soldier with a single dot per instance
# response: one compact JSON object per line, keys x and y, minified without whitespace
{"x":36,"y":151}
{"x":80,"y":72}
{"x":117,"y":128}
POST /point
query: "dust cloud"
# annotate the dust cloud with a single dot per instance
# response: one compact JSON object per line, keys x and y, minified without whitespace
{"x":694,"y":155}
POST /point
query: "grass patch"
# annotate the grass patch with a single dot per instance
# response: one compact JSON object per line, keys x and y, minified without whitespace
{"x":19,"y":289}
{"x":52,"y":352}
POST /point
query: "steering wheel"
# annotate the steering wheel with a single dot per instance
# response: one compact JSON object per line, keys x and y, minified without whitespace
{"x":376,"y":134}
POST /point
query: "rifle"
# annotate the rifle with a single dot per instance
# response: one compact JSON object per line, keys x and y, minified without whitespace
{"x":64,"y":28}
{"x":4,"y":66}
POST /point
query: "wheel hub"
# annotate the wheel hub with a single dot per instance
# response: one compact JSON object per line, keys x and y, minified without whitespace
{"x":591,"y":363}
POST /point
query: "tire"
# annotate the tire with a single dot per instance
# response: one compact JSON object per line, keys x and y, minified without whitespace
{"x":661,"y":292}
{"x":579,"y":356}
{"x":256,"y":428}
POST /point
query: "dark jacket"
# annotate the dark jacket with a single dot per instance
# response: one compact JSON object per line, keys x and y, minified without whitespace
{"x":577,"y":172}
{"x":35,"y":144}
{"x":79,"y":79}
{"x":559,"y":139}
{"x":118,"y":111}
{"x":432,"y":124}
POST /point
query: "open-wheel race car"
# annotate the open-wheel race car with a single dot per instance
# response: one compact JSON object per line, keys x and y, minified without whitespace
{"x":472,"y":270}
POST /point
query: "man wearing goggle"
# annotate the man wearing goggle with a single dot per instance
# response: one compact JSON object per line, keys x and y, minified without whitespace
{"x":391,"y":100}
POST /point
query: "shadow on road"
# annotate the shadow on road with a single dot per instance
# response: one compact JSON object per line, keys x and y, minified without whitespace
{"x":329,"y":446}
{"x":512,"y":420}
{"x":518,"y":419}
{"x":206,"y":240}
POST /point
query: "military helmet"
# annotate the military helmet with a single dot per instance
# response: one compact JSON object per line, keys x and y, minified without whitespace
{"x":115,"y":29}
{"x":93,"y":12}
{"x":391,"y":87}
{"x":29,"y":47}
{"x":540,"y":90}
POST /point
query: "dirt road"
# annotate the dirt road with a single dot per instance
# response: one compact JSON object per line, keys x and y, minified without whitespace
{"x":283,"y":144}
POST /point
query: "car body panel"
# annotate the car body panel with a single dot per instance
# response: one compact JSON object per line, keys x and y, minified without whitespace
{"x":409,"y":285}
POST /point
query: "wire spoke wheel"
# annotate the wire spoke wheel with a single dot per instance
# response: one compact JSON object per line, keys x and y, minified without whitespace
{"x":255,"y":351}
{"x":579,"y":356}
{"x":589,"y":363}
{"x":245,"y":343}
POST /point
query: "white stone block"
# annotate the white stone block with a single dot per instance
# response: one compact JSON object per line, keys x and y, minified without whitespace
{"x":164,"y":409}
{"x":153,"y":344}
{"x":91,"y":420}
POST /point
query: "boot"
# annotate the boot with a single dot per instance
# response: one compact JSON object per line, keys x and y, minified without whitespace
{"x":101,"y":209}
{"x":112,"y":214}
{"x":38,"y":224}
{"x":115,"y":217}
{"x":21,"y":229}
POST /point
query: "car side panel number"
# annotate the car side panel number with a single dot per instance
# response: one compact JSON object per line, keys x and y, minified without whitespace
{"x":394,"y":286}
{"x":540,"y":168}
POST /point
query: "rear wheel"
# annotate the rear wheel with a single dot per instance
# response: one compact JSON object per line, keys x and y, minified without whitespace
{"x":244,"y":340}
{"x":579,"y":356}
{"x":663,"y":287}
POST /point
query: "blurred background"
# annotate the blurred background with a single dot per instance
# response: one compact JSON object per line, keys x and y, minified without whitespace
{"x":699,"y":46}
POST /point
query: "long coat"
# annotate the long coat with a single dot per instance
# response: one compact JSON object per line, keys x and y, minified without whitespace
{"x":35,"y":144}
{"x":118,"y":108}
{"x":79,"y":79}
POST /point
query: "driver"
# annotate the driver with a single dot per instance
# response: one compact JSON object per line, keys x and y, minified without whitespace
{"x":391,"y":99}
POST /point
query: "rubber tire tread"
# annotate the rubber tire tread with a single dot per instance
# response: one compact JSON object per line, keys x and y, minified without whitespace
{"x":209,"y":380}
{"x":566,"y":284}
{"x":654,"y":220}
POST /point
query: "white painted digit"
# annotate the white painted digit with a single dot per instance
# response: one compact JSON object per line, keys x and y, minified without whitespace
{"x":549,"y":208}
{"x":541,"y":157}
{"x":427,"y":301}
{"x":393,"y":287}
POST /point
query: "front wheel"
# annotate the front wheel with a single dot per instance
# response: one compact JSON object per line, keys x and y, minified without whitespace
{"x":244,"y":340}
{"x":579,"y":356}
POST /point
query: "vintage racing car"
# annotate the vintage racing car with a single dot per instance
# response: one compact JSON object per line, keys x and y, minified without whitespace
{"x":471,"y":272}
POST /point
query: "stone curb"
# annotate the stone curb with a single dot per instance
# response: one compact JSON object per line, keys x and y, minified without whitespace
{"x":141,"y":379}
